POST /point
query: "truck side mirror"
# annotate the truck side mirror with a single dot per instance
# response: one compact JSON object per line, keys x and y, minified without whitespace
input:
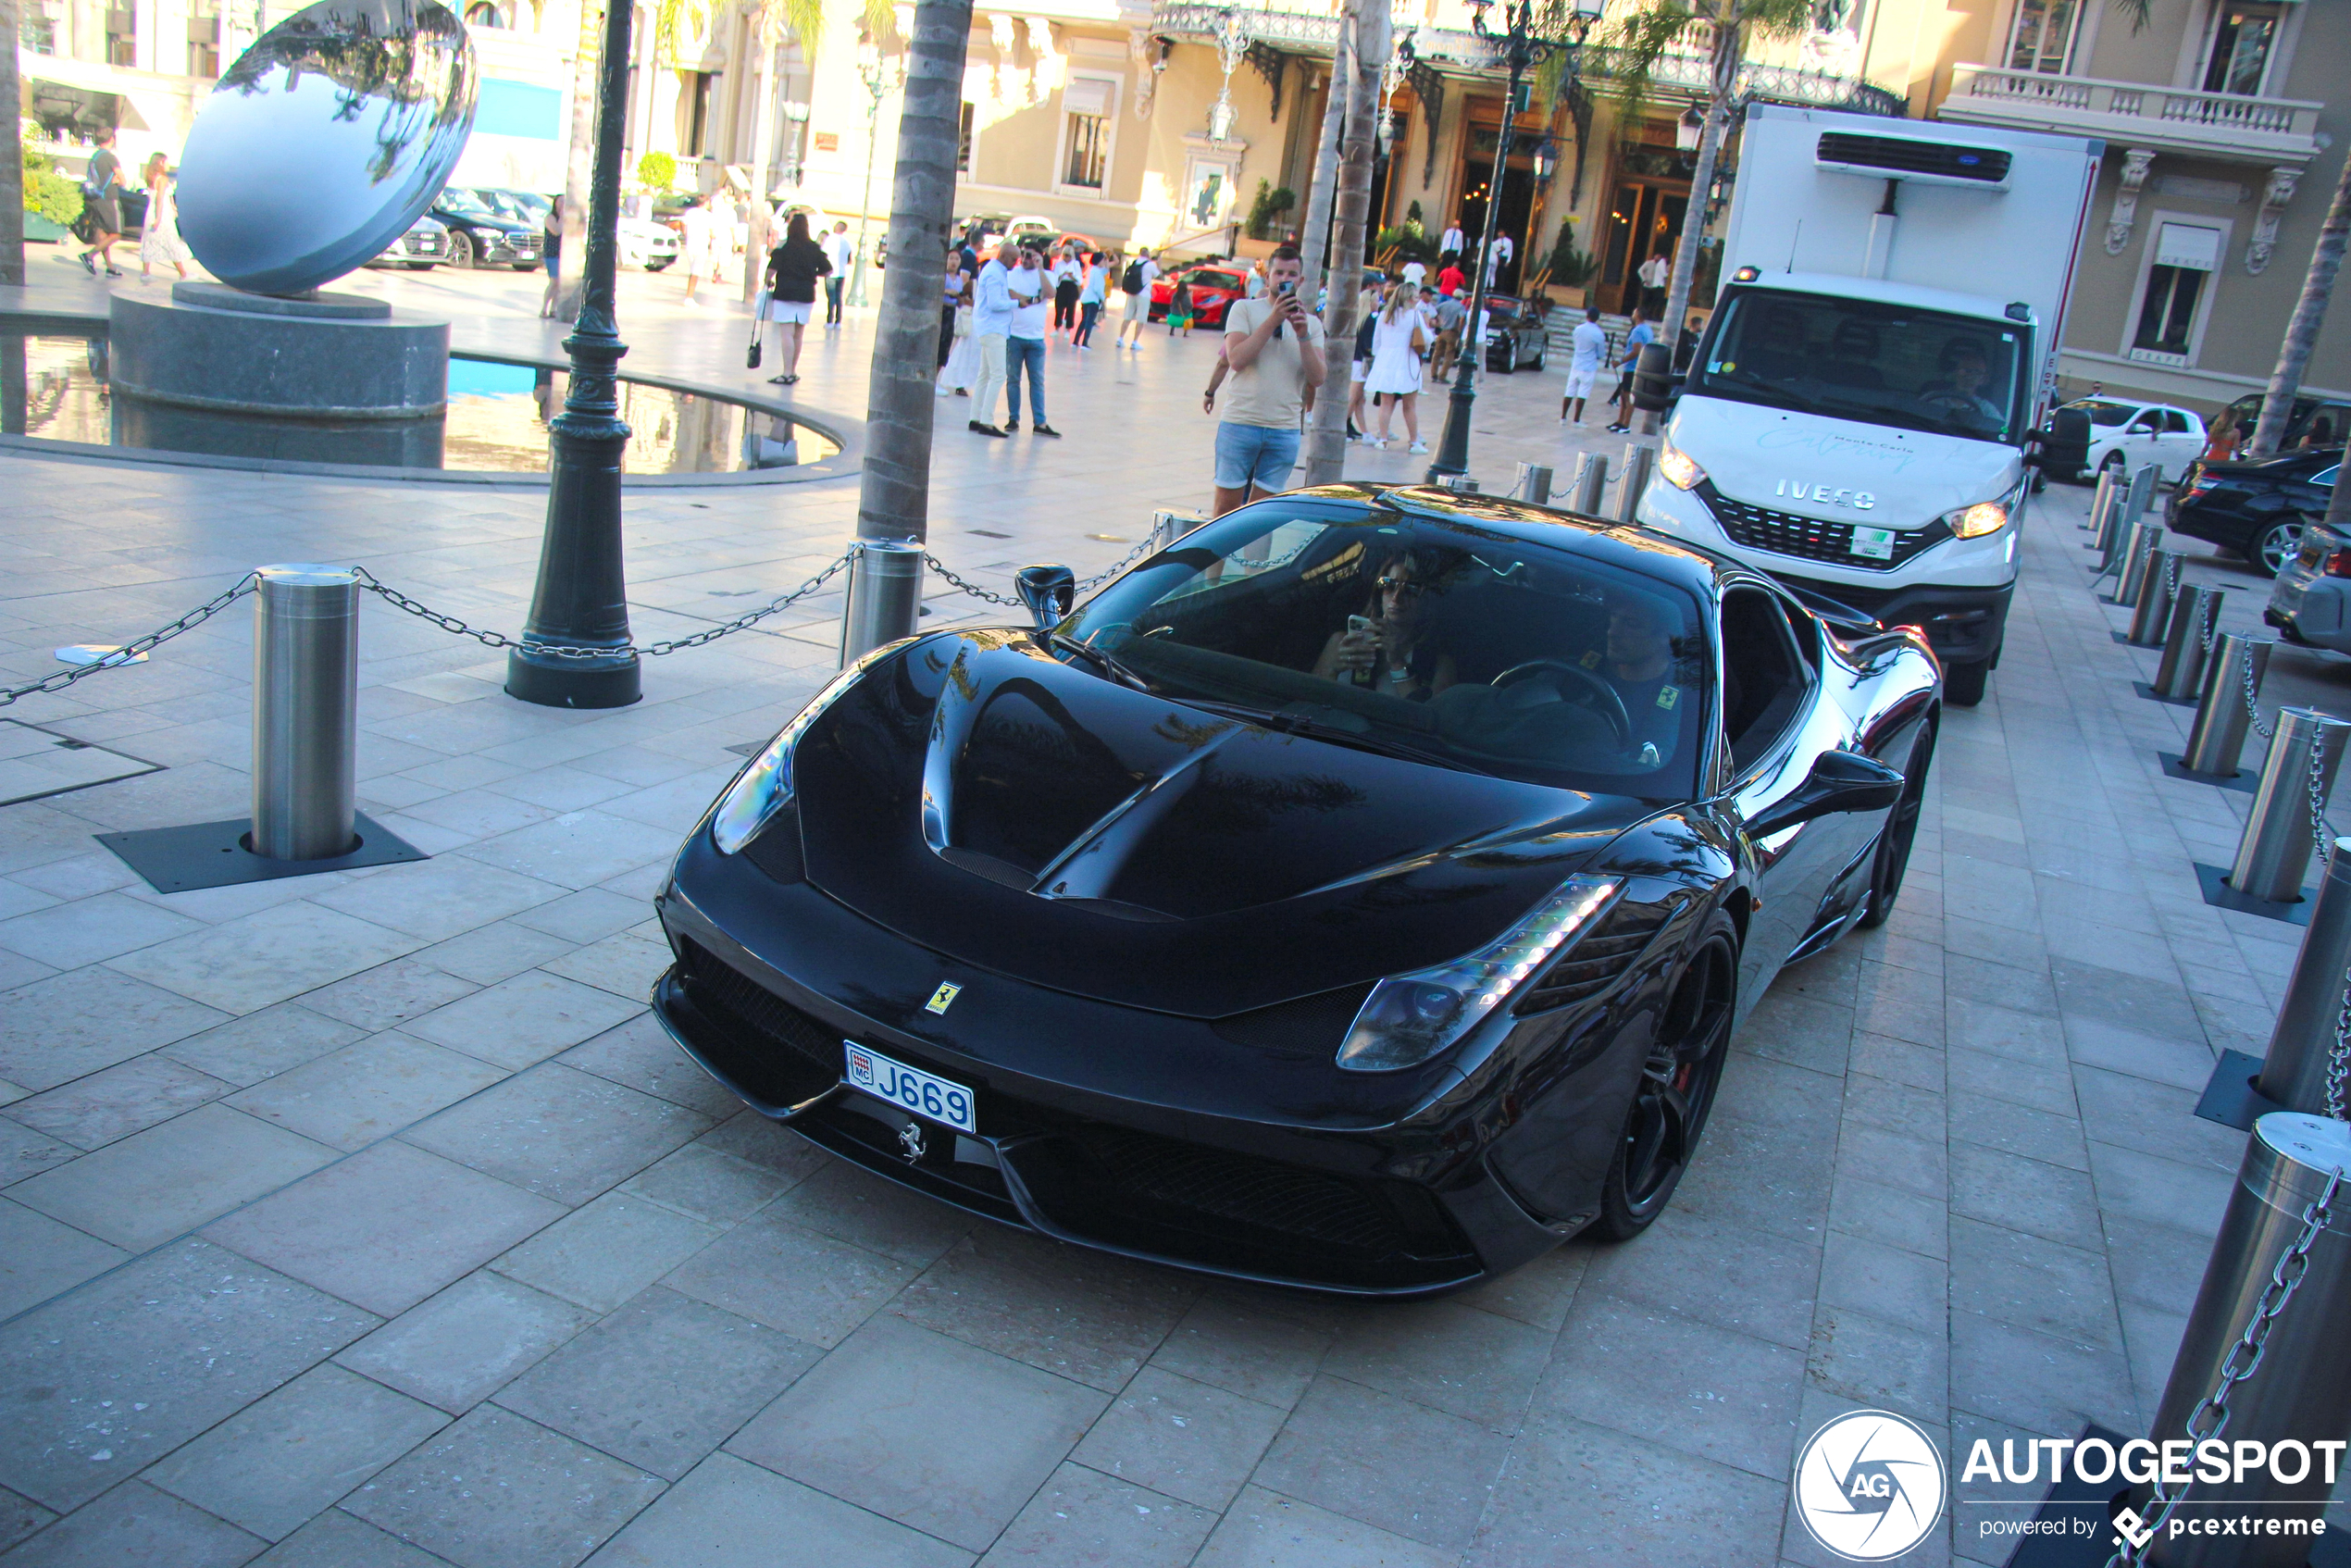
{"x":1654,"y":383}
{"x":2064,"y":442}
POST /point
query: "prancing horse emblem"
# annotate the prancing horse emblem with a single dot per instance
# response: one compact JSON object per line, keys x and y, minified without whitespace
{"x":942,"y":999}
{"x":910,"y":1138}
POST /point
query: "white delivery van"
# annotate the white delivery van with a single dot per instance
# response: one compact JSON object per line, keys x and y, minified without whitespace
{"x":1859,"y":418}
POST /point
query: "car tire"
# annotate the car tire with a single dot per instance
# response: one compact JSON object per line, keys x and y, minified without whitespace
{"x":1964,"y":682}
{"x":658,"y":266}
{"x":526,"y":266}
{"x":2114,"y":462}
{"x":1674,"y":1092}
{"x":1538,"y":362}
{"x":2276,"y":544}
{"x":1892,"y":858}
{"x":420,"y":266}
{"x":461,"y":250}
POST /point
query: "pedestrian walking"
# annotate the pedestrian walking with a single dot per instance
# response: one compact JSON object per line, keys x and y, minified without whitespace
{"x":1274,"y":351}
{"x":1450,"y":280}
{"x":1398,"y":342}
{"x":793,"y":268}
{"x":1068,"y":277}
{"x":101,"y":224}
{"x":960,"y":363}
{"x":1367,"y":308}
{"x":698,"y":245}
{"x":955,"y":282}
{"x":842,"y":250}
{"x":1415,"y":272}
{"x":1449,"y":312}
{"x":1585,"y":345}
{"x":160,"y":238}
{"x":550,"y":244}
{"x":1030,"y":287}
{"x":1135,"y":285}
{"x":991,"y":322}
{"x":1641,"y":333}
{"x":1090,"y":296}
{"x":1498,"y":257}
{"x":1179,"y":306}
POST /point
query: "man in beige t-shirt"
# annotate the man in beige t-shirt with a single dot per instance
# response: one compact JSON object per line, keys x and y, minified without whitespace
{"x":1274,"y":351}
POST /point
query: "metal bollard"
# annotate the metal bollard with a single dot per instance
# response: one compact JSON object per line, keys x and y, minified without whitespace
{"x":2195,"y":611}
{"x":2100,"y":499}
{"x":2277,"y":844}
{"x":1591,"y":482}
{"x":1534,"y":483}
{"x":1169,"y":526}
{"x":1460,"y":484}
{"x":1639,"y":461}
{"x":2300,"y":1395}
{"x":2301,"y":1050}
{"x":2151,"y":611}
{"x":2141,"y":492}
{"x":2145,"y":538}
{"x":2216,"y":741}
{"x":305,"y":710}
{"x":885,"y":595}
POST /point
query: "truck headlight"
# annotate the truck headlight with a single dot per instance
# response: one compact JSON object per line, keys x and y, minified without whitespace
{"x":761,"y":789}
{"x":1974,"y":522}
{"x":1681,"y":470}
{"x":1409,"y":1018}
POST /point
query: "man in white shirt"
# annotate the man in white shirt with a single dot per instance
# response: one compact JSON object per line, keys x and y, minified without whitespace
{"x":1135,"y":287}
{"x":698,"y":245}
{"x":842,"y":250}
{"x":1274,"y":351}
{"x":1452,"y":241}
{"x":991,"y":320}
{"x":1031,"y":292}
{"x":1416,"y":273}
{"x":1653,"y":274}
{"x":1587,"y":344}
{"x":1498,"y":257}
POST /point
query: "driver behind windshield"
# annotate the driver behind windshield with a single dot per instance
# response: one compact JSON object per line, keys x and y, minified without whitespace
{"x":1958,"y":390}
{"x":1388,"y":649}
{"x":1637,"y":661}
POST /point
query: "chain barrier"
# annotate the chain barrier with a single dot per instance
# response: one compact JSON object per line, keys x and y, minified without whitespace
{"x":2339,"y":1065}
{"x":2171,"y":583}
{"x":2315,"y":784}
{"x":2209,"y":1419}
{"x":130,"y":651}
{"x":965,"y":585}
{"x":529,"y":644}
{"x":2252,"y":694}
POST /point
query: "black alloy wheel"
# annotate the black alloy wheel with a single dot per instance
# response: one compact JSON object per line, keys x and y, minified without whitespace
{"x":1900,"y":831}
{"x":461,"y":249}
{"x":1676,"y":1091}
{"x":2276,"y":544}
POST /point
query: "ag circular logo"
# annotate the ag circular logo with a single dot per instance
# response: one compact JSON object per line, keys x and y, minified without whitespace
{"x":1869,"y":1485}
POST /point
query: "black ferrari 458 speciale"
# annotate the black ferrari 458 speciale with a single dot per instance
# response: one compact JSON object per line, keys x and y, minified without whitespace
{"x":1359,"y":893}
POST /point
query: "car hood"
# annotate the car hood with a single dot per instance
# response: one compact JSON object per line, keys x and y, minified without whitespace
{"x":999,"y":806}
{"x":1841,"y":470}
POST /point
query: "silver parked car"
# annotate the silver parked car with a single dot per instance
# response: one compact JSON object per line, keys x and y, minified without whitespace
{"x":422,"y":248}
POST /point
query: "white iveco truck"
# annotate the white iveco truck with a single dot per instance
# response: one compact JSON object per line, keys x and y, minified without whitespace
{"x":1860,"y":415}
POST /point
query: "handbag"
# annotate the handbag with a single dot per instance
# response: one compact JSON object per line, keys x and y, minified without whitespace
{"x":83,"y":228}
{"x":758,"y":331}
{"x":962,"y":321}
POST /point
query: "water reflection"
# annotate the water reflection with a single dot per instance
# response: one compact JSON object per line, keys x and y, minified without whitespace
{"x":325,"y":141}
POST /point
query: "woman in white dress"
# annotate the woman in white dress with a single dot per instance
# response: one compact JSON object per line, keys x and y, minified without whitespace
{"x":1398,"y":343}
{"x":955,"y":377}
{"x":160,"y":241}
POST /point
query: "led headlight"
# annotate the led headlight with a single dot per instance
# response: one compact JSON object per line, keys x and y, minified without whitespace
{"x":761,"y":789}
{"x":1681,"y":470}
{"x":1974,"y":522}
{"x":1409,"y":1018}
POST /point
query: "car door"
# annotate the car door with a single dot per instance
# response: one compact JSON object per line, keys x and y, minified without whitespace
{"x":1774,"y":725}
{"x":2179,"y":442}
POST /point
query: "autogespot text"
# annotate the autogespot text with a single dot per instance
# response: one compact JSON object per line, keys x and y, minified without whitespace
{"x":2141,"y":1462}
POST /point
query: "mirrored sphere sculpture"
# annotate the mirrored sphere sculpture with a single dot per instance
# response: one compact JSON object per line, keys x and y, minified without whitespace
{"x":325,"y":142}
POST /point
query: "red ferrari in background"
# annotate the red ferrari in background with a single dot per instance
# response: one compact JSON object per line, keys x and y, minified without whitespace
{"x":1214,"y":285}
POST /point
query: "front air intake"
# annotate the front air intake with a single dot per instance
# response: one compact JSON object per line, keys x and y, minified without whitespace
{"x":1903,"y":157}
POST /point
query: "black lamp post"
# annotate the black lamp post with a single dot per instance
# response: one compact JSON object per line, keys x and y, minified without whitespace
{"x":1521,"y":51}
{"x":581,"y":600}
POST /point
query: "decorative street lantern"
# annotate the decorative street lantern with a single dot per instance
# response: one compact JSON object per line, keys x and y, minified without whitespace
{"x":1232,"y":47}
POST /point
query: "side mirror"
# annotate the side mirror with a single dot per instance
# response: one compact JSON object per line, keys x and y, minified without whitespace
{"x":1048,"y":592}
{"x":1840,"y":781}
{"x":1654,"y":382}
{"x":2065,"y":442}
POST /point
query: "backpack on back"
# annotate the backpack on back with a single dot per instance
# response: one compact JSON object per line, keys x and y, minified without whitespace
{"x":1131,"y":280}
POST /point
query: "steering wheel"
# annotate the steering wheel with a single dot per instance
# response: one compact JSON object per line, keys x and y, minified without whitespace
{"x":1609,"y":706}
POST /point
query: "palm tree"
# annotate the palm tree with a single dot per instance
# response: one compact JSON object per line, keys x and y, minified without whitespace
{"x":579,"y":165}
{"x":1327,"y":431}
{"x":1315,"y":234}
{"x":11,"y":160}
{"x":2302,"y":331}
{"x":893,"y":501}
{"x":1644,"y":38}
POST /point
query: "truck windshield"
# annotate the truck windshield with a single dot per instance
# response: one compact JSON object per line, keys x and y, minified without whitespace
{"x":1867,"y":360}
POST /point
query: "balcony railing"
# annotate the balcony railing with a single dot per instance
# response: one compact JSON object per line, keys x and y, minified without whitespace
{"x":2133,"y":112}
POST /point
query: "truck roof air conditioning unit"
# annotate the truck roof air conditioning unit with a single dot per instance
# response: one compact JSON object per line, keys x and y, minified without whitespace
{"x":1899,"y":157}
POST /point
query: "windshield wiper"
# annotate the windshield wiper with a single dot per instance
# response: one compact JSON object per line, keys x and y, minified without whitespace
{"x":1108,"y":664}
{"x":1315,"y":730}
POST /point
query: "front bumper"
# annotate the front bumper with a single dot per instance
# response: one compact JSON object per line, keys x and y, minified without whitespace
{"x":1379,"y":1206}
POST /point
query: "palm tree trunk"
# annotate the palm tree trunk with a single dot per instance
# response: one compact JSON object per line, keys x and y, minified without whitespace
{"x":11,"y":160}
{"x":579,"y":168}
{"x":2302,"y":331}
{"x":1729,"y":42}
{"x":1327,"y":433}
{"x":894,"y":500}
{"x":1314,"y":238}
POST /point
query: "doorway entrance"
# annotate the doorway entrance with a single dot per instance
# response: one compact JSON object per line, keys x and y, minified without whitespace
{"x":1513,"y":204}
{"x":1645,"y":219}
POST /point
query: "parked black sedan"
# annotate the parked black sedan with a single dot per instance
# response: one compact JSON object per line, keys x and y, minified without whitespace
{"x":1359,"y":894}
{"x":2255,"y":509}
{"x":1515,"y":335}
{"x":480,"y":235}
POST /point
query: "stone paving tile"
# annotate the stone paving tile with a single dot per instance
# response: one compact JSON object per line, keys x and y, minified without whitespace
{"x":1409,"y":1470}
{"x":851,"y":1204}
{"x":440,"y":898}
{"x":498,"y":1491}
{"x":41,"y":1257}
{"x":68,"y":1026}
{"x":607,"y":1250}
{"x":243,"y":966}
{"x":1185,"y":1440}
{"x":261,"y":1045}
{"x":25,"y":1153}
{"x":558,"y":1132}
{"x":386,"y":1228}
{"x":388,"y":994}
{"x":20,"y":1517}
{"x":352,"y":1098}
{"x":524,"y":1020}
{"x":1240,"y":1347}
{"x":2064,"y":1291}
{"x":812,"y":1287}
{"x":149,"y":1187}
{"x":732,"y":1514}
{"x":640,"y":1055}
{"x":661,"y":1382}
{"x":136,"y":1524}
{"x":493,"y":952}
{"x":274,"y":1464}
{"x":626,"y":964}
{"x":701,"y":1182}
{"x":1755,"y":1283}
{"x":1083,"y":1519}
{"x":588,"y":915}
{"x":98,"y":1382}
{"x":336,"y":1539}
{"x":118,"y":1101}
{"x":1449,"y":1357}
{"x":577,"y":850}
{"x":885,"y":1423}
{"x":68,"y":936}
{"x":457,"y":1348}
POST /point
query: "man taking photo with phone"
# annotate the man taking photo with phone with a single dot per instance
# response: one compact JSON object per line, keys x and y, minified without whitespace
{"x":1275,"y":349}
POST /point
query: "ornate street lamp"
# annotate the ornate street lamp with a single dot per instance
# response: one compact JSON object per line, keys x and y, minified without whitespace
{"x":881,"y":78}
{"x":581,"y":600}
{"x":1521,"y":50}
{"x":1232,"y":48}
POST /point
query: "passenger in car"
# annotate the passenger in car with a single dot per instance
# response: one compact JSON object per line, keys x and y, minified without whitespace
{"x":1390,"y":650}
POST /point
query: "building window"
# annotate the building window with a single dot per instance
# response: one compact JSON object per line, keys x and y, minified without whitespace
{"x":122,"y":37}
{"x":2244,"y":39}
{"x":1086,"y":128}
{"x":698,"y":125}
{"x":2044,"y":37}
{"x":964,"y":137}
{"x":2176,"y":295}
{"x":36,"y":31}
{"x":482,"y":14}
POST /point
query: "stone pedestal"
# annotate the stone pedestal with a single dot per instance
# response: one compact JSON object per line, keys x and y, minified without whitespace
{"x":339,"y":357}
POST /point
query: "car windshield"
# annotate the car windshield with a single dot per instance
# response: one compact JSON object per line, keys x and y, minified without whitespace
{"x":1214,"y":280}
{"x":1425,"y":637}
{"x":467,"y":202}
{"x":2103,"y":411}
{"x":1866,"y":360}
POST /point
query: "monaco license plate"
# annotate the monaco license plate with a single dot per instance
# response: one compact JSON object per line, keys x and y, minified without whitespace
{"x":926,"y":1094}
{"x":1876,"y":544}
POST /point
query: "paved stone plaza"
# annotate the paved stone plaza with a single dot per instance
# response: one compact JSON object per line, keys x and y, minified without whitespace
{"x":369,"y":1220}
